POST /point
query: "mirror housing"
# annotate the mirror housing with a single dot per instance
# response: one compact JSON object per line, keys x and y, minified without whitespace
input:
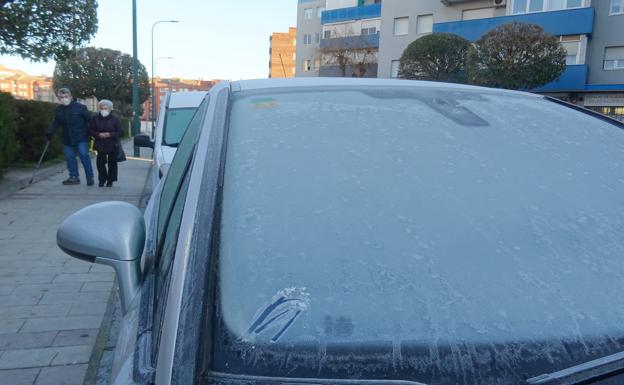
{"x":108,"y":233}
{"x":143,"y":140}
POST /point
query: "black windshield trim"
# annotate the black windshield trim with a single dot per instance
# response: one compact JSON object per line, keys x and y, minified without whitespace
{"x":305,"y":381}
{"x":605,"y":366}
{"x":587,"y":111}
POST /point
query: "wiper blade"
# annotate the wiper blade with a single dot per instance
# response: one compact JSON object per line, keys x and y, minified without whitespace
{"x":174,"y":145}
{"x":582,"y":372}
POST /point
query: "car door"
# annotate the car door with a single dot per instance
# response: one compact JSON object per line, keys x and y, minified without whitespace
{"x":137,"y":345}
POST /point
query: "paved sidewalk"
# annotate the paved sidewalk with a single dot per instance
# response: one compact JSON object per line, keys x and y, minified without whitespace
{"x":52,"y":305}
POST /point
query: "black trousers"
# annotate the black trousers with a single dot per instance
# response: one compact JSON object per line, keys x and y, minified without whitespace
{"x":102,"y":160}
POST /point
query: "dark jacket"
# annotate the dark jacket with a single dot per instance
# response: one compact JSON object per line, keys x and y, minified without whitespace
{"x":74,"y":119}
{"x":111,"y":124}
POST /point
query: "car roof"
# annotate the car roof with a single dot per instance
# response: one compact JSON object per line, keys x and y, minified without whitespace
{"x":248,"y":85}
{"x":186,"y":99}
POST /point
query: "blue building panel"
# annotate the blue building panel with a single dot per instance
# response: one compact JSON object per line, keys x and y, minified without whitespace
{"x":352,"y":42}
{"x":577,"y":21}
{"x":574,"y":78}
{"x":351,"y":13}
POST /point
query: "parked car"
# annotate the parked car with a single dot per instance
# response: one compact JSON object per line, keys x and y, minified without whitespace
{"x":176,"y":112}
{"x":351,"y":231}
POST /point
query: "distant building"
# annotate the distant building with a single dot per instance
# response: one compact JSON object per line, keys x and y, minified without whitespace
{"x":23,"y":86}
{"x":283,"y":54}
{"x":162,"y":86}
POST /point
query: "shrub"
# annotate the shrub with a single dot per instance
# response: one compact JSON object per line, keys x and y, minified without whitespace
{"x":33,"y":119}
{"x":8,"y":144}
{"x":516,"y":56}
{"x":438,"y":57}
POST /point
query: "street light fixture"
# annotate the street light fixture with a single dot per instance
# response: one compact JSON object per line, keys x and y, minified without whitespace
{"x":153,"y":89}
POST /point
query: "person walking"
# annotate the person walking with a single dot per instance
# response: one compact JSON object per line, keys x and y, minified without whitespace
{"x":74,"y":118}
{"x":106,"y":129}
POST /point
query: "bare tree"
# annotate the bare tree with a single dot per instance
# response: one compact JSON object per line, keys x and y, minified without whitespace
{"x":348,"y":51}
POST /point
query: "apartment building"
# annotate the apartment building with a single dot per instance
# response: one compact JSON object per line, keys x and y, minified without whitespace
{"x":340,"y":38}
{"x":282,"y":52}
{"x":592,"y":32}
{"x":23,"y":86}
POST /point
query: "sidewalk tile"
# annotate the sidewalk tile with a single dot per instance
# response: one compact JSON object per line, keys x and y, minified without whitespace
{"x":10,"y":325}
{"x":19,"y":376}
{"x":34,"y":311}
{"x":61,"y":323}
{"x":16,"y":341}
{"x":62,"y":375}
{"x":76,"y":337}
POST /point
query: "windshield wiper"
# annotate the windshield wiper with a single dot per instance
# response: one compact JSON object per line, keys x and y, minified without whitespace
{"x":174,"y":145}
{"x":604,"y":366}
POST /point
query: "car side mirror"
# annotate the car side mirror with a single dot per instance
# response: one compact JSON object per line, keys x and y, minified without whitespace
{"x":108,"y":233}
{"x":143,"y":140}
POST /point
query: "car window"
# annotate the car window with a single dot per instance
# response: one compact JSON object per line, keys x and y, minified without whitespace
{"x":175,"y":173}
{"x":166,"y":254}
{"x":176,"y":123}
{"x":419,"y":225}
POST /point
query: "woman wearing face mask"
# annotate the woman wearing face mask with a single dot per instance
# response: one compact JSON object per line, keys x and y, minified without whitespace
{"x":106,"y":129}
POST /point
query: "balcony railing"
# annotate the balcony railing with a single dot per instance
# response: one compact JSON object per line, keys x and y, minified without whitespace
{"x":579,"y":21}
{"x":352,"y":13}
{"x":351,"y":42}
{"x":574,"y":78}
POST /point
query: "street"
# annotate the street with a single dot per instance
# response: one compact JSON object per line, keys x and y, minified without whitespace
{"x":52,"y":305}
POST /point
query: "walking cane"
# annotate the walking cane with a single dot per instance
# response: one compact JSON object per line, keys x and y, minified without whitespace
{"x":45,"y":149}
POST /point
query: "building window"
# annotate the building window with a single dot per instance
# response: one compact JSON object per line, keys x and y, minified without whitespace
{"x":369,"y":31}
{"x":401,"y":26}
{"x":424,"y":24}
{"x":306,"y":66}
{"x":307,"y":39}
{"x":481,"y":13}
{"x":617,"y":7}
{"x":528,"y":6}
{"x":307,"y":13}
{"x":319,"y":11}
{"x":394,"y":68}
{"x":572,"y":45}
{"x":614,"y":58}
{"x":327,"y":34}
{"x":317,"y":38}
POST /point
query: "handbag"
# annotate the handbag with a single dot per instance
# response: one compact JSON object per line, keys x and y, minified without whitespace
{"x":120,"y":153}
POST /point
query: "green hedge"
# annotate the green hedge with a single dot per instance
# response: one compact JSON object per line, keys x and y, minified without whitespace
{"x":33,"y":119}
{"x":8,"y":145}
{"x":23,"y":125}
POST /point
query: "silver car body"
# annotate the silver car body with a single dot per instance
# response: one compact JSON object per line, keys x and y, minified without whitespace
{"x":126,"y":350}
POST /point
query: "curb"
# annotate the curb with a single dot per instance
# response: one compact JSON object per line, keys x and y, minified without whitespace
{"x":12,"y":186}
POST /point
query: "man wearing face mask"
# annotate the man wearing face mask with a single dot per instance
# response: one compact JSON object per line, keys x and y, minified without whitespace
{"x":74,"y":118}
{"x":106,"y":129}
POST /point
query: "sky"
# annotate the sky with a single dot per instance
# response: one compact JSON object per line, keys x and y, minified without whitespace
{"x":215,"y":39}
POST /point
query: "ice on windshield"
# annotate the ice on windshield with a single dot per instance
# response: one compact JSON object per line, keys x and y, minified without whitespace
{"x":406,"y":224}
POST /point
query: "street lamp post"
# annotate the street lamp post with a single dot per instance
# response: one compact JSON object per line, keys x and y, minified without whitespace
{"x":135,"y":76}
{"x":153,"y":113}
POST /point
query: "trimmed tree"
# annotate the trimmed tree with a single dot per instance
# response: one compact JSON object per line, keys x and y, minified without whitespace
{"x":516,"y":56}
{"x":42,"y":30}
{"x":438,"y":57}
{"x":104,"y":74}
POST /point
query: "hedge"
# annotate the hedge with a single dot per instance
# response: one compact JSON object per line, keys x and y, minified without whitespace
{"x":23,"y":125}
{"x":8,"y":145}
{"x":33,"y":119}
